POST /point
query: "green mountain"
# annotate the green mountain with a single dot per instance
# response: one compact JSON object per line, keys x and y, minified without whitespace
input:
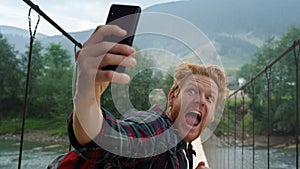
{"x":237,"y":28}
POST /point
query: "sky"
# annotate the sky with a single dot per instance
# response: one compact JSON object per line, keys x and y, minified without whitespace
{"x":71,"y":15}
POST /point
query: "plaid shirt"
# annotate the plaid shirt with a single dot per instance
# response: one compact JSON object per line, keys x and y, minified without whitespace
{"x":129,"y":142}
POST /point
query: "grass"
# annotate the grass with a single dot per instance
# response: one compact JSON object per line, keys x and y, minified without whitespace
{"x":52,"y":126}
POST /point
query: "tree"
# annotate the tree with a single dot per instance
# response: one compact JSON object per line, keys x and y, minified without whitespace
{"x":118,"y":99}
{"x":37,"y":71}
{"x":10,"y":80}
{"x":50,"y":81}
{"x":282,"y":82}
{"x":37,"y":62}
{"x":57,"y":82}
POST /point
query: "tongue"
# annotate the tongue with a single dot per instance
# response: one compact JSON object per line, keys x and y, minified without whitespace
{"x":191,"y":119}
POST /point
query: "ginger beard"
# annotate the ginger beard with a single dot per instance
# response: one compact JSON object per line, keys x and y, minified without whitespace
{"x":193,"y":107}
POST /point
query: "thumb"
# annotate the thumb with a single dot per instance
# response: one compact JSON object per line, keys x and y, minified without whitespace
{"x":201,"y":165}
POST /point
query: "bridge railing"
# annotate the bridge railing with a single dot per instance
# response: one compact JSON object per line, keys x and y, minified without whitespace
{"x":242,"y":147}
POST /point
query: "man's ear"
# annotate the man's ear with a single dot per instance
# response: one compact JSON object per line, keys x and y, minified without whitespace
{"x":171,"y":97}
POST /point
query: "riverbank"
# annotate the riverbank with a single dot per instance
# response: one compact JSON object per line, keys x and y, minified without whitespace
{"x":260,"y":141}
{"x":277,"y":142}
{"x":38,"y":137}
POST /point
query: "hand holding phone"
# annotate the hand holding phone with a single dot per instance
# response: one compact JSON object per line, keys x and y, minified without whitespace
{"x":126,"y":17}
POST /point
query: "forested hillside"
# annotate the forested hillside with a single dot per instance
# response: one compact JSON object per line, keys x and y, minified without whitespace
{"x":236,"y":28}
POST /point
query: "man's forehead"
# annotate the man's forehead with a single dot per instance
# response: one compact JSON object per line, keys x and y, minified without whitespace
{"x":195,"y":80}
{"x":200,"y":78}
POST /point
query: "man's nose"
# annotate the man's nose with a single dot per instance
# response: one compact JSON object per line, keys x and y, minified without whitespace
{"x":200,"y":100}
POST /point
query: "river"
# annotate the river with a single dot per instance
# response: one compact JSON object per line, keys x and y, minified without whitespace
{"x":34,"y":155}
{"x":38,"y":156}
{"x":242,"y":158}
{"x":278,"y":159}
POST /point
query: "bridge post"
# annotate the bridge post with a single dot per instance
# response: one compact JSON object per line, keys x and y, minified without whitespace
{"x":268,"y":77}
{"x":296,"y":57}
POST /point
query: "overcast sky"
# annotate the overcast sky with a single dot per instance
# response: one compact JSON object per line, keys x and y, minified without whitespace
{"x":71,"y":15}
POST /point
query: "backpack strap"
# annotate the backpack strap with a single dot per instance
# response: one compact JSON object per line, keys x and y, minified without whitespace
{"x":190,"y":153}
{"x":74,"y":160}
{"x":79,"y":163}
{"x":55,"y":162}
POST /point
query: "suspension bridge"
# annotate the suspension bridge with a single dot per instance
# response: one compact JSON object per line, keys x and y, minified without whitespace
{"x":238,"y":147}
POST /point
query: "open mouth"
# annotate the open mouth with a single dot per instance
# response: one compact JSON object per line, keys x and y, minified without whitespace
{"x":193,"y":118}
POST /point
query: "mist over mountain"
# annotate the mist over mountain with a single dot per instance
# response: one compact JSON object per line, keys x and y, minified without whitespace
{"x":262,"y":17}
{"x":236,"y":28}
{"x":19,"y":38}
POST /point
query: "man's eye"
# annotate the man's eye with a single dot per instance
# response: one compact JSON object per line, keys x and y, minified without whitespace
{"x":192,"y":91}
{"x":210,"y":99}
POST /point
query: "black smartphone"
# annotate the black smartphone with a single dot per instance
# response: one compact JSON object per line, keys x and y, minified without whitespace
{"x":127,"y":17}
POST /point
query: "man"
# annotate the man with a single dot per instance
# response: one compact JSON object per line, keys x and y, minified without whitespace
{"x":143,"y":139}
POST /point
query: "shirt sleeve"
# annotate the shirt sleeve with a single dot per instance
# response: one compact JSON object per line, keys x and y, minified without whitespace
{"x":141,"y":134}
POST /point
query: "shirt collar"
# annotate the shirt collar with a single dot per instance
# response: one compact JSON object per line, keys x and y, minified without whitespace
{"x":156,"y":108}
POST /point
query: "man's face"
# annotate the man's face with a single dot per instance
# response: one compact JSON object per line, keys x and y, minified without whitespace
{"x":193,"y":108}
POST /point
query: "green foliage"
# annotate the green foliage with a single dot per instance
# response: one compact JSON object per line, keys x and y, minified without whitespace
{"x":50,"y":81}
{"x":50,"y":98}
{"x":37,"y":73}
{"x":10,"y":80}
{"x":154,"y":85}
{"x":48,"y":124}
{"x":10,"y":126}
{"x":281,"y":77}
{"x":58,"y":81}
{"x":146,"y":78}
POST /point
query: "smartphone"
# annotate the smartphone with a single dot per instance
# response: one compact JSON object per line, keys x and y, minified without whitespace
{"x":127,"y":17}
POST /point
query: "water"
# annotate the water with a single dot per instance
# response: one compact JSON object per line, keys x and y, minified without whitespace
{"x":37,"y":156}
{"x":34,"y":156}
{"x":242,"y":158}
{"x":279,"y":159}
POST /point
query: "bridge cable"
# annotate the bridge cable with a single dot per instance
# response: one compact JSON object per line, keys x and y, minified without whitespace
{"x":243,"y":125}
{"x":268,"y":77}
{"x":265,"y":70}
{"x":220,"y":141}
{"x":223,"y":142}
{"x":228,"y":135}
{"x":296,"y":57}
{"x":253,"y":124}
{"x":68,"y":36}
{"x":266,"y":67}
{"x":235,"y":123}
{"x":32,"y":37}
{"x":40,"y":12}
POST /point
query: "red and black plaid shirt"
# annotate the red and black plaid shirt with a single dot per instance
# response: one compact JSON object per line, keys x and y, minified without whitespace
{"x":143,"y":139}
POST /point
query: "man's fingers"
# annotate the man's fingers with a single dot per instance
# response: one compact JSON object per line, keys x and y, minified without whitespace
{"x":114,"y":59}
{"x":112,"y":76}
{"x":99,"y":56}
{"x":107,"y":47}
{"x":121,"y":49}
{"x":112,"y":30}
{"x":103,"y":31}
{"x":94,"y":64}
